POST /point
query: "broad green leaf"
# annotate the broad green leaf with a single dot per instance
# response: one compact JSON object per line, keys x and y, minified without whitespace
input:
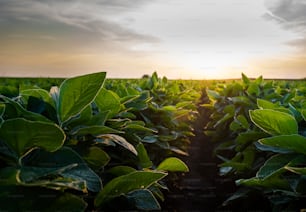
{"x":239,"y":122}
{"x":241,"y":100}
{"x":22,"y":135}
{"x":259,"y":80}
{"x":272,"y":182}
{"x":38,"y":93}
{"x":98,"y":119}
{"x":274,"y":122}
{"x":118,"y":140}
{"x":15,"y":110}
{"x":243,"y":121}
{"x":264,"y":104}
{"x":94,"y":130}
{"x":296,"y":143}
{"x":70,"y":166}
{"x":80,"y":119}
{"x":268,"y":148}
{"x":222,"y":120}
{"x":28,"y":174}
{"x":107,"y":100}
{"x":274,"y":165}
{"x":173,"y":164}
{"x":144,"y":199}
{"x":138,"y":128}
{"x":249,"y":137}
{"x":127,"y":183}
{"x":121,"y":170}
{"x":245,"y":79}
{"x":77,"y":93}
{"x":213,"y":95}
{"x":143,"y":156}
{"x":129,"y":98}
{"x":95,"y":157}
{"x":253,"y":89}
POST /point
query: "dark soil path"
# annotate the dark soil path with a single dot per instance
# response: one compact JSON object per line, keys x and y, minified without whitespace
{"x":202,"y":189}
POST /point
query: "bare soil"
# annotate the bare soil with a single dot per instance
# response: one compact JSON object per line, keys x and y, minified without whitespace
{"x":202,"y":189}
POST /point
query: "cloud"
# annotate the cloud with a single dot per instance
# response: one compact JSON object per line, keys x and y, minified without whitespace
{"x":71,"y":20}
{"x":291,"y":15}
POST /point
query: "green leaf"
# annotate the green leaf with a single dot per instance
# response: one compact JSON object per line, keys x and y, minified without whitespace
{"x":273,"y":182}
{"x":107,"y":100}
{"x":77,"y":93}
{"x":213,"y":95}
{"x":70,"y":166}
{"x":15,"y":110}
{"x":274,"y":122}
{"x":38,"y":93}
{"x":296,"y":143}
{"x":243,"y":121}
{"x":121,"y":170}
{"x":94,"y":130}
{"x":137,"y":128}
{"x":143,"y":156}
{"x":127,"y":183}
{"x":22,"y":135}
{"x":144,"y":199}
{"x":80,"y":119}
{"x":96,"y":157}
{"x":173,"y":164}
{"x":267,"y":148}
{"x":118,"y":140}
{"x":248,"y":137}
{"x":245,"y":79}
{"x":264,"y":104}
{"x":253,"y":89}
{"x":274,"y":165}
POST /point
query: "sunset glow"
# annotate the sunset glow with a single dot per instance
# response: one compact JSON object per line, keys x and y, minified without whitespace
{"x":179,"y":39}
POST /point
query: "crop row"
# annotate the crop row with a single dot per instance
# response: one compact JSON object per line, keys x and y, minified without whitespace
{"x":91,"y":143}
{"x":260,"y":129}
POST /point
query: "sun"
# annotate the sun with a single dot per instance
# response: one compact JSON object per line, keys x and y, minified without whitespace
{"x":215,"y":66}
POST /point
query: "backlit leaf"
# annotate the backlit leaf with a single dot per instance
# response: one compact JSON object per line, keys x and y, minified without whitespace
{"x":77,"y":93}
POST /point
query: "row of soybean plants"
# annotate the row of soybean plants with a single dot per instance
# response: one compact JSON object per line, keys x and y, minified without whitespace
{"x":260,"y":127}
{"x":93,"y":144}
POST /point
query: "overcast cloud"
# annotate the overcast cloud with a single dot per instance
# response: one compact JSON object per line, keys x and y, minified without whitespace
{"x":80,"y":20}
{"x":177,"y":38}
{"x":291,"y":15}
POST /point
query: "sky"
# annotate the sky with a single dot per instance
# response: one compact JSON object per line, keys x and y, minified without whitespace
{"x":194,"y":39}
